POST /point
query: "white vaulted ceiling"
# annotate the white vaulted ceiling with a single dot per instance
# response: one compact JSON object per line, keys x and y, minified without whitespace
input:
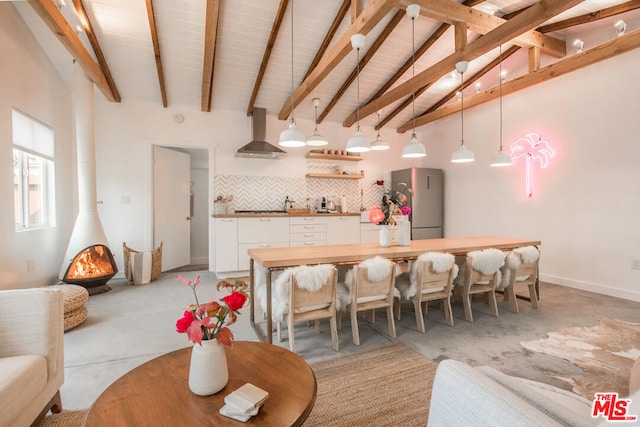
{"x":123,"y":32}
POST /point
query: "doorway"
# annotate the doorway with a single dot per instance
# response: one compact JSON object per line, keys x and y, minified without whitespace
{"x":181,"y":195}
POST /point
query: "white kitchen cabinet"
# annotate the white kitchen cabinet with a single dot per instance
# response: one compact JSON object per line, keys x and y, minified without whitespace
{"x":308,"y":231}
{"x":343,"y":230}
{"x":260,"y":232}
{"x":370,"y":232}
{"x":226,"y":244}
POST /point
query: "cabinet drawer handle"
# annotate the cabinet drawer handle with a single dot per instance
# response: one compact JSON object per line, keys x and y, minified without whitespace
{"x":264,"y":219}
{"x":265,"y":246}
{"x":308,"y":235}
{"x":308,"y":227}
{"x":309,"y":243}
{"x":307,"y":219}
{"x":226,"y":220}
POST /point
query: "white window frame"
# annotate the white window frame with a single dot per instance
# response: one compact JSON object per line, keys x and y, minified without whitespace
{"x":33,"y":145}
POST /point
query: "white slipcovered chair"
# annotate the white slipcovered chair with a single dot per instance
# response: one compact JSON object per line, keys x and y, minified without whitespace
{"x":31,"y":355}
{"x":480,"y":274}
{"x":431,"y":279}
{"x":303,"y":293}
{"x":368,"y":286}
{"x":520,"y":268}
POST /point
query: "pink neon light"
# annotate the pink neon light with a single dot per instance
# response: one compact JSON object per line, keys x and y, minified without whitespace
{"x":531,"y":147}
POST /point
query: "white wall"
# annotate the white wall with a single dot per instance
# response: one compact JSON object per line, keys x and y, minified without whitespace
{"x":29,"y":82}
{"x":585,"y":206}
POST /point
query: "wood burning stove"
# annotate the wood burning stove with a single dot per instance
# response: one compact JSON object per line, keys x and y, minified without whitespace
{"x":91,"y":267}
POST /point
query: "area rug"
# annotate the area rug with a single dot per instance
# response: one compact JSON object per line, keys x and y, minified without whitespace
{"x":387,"y":386}
{"x":64,"y":419}
{"x":605,"y":353}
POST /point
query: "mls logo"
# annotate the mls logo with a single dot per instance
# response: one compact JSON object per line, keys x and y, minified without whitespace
{"x":610,"y":407}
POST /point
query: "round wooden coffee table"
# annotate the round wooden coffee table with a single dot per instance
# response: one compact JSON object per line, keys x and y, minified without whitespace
{"x":157,"y":392}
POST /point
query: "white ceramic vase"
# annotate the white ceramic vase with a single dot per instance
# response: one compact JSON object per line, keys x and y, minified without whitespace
{"x":404,"y":233}
{"x":208,"y":373}
{"x":385,"y":236}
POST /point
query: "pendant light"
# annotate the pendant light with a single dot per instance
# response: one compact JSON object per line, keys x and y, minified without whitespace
{"x":462,"y":154}
{"x":379,"y":144}
{"x":358,"y":143}
{"x":315,"y":139}
{"x":501,"y":158}
{"x":292,"y":137}
{"x":413,"y":148}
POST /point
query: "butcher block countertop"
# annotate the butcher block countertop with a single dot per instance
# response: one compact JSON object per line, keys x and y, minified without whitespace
{"x":271,"y":215}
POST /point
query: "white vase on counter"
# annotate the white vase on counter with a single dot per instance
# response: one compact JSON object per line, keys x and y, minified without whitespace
{"x":404,"y":233}
{"x":385,"y":236}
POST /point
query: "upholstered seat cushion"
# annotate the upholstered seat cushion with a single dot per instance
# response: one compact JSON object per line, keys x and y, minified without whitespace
{"x":21,"y":379}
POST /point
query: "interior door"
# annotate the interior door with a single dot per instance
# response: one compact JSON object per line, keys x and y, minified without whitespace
{"x":171,"y":206}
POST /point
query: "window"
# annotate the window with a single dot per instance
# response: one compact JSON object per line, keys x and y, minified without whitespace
{"x":33,"y":173}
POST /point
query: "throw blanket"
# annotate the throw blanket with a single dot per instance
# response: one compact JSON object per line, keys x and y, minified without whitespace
{"x":528,"y":254}
{"x":440,"y":262}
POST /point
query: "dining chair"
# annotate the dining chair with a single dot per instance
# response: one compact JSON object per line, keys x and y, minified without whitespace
{"x":311,"y":296}
{"x":431,"y":279}
{"x":520,"y":268}
{"x":481,"y":275}
{"x":370,"y":285}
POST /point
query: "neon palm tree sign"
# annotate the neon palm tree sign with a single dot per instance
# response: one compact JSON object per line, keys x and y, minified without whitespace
{"x":532,"y":148}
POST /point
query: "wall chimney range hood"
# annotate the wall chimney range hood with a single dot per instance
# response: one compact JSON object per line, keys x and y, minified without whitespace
{"x":258,"y":148}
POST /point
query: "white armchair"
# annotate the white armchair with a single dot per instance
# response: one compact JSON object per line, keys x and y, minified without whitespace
{"x":31,"y":355}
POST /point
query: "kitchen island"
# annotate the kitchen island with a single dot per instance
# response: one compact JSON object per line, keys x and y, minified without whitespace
{"x":279,"y":258}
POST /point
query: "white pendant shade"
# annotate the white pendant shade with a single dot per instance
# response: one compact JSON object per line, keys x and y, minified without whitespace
{"x":414,"y":148}
{"x":316,"y":140}
{"x":358,"y":143}
{"x":292,"y":137}
{"x":379,"y":144}
{"x":501,"y":159}
{"x":462,"y":155}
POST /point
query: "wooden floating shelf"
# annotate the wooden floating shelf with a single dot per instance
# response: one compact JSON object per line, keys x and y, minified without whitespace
{"x":333,"y":157}
{"x":333,"y":175}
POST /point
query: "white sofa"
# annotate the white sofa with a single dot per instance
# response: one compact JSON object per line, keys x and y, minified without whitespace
{"x":482,"y":396}
{"x":31,"y":355}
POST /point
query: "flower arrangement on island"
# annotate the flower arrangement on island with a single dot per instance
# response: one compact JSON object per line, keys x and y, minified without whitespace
{"x":210,"y":320}
{"x":393,"y":203}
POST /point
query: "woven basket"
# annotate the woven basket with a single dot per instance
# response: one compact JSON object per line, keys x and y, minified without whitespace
{"x":156,"y":260}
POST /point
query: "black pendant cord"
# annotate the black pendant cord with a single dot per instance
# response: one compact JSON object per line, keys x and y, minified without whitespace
{"x":500,"y":77}
{"x":292,"y":89}
{"x":462,"y":108}
{"x":358,"y":90}
{"x":413,"y":69}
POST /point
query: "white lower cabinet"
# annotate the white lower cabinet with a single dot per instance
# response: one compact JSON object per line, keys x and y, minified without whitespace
{"x":260,"y":232}
{"x":343,"y":230}
{"x":370,"y":232}
{"x":307,"y":231}
{"x":226,"y":244}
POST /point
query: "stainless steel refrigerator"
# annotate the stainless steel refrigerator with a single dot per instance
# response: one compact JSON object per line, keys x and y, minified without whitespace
{"x":427,"y":201}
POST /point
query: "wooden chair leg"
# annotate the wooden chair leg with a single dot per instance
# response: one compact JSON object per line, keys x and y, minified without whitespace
{"x":533,"y":295}
{"x":354,"y":326}
{"x":493,"y":303}
{"x":339,"y":319}
{"x":397,"y":307}
{"x":279,"y":330}
{"x":510,"y":293}
{"x":391,"y":321}
{"x":292,"y":344}
{"x":466,"y":302}
{"x":448,"y":313}
{"x":317,"y":326}
{"x":417,"y":306}
{"x":334,"y":332}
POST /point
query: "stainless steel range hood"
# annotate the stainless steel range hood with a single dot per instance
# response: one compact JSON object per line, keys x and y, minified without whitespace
{"x":258,"y":148}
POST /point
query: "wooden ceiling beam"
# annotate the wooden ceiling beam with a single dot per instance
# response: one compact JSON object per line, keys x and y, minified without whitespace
{"x":363,"y":62}
{"x":523,"y":22}
{"x":51,"y":16}
{"x":481,"y":22}
{"x":368,"y":19}
{"x":91,"y":35}
{"x":156,"y":51}
{"x":590,"y":17}
{"x":356,"y":9}
{"x":212,"y":14}
{"x":468,"y":82}
{"x":342,"y":12}
{"x":275,"y":29}
{"x":588,"y":57}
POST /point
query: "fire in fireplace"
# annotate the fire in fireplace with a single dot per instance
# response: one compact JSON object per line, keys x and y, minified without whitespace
{"x":92,"y":267}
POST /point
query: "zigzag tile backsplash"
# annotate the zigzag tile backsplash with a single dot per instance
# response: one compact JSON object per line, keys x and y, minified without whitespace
{"x":269,"y":192}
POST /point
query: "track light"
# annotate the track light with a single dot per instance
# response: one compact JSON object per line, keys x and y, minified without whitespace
{"x":579,"y":45}
{"x":621,"y":27}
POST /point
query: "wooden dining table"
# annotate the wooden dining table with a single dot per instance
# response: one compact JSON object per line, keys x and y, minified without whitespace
{"x":272,"y":259}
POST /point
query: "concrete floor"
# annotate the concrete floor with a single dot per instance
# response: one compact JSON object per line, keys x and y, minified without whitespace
{"x":132,"y":324}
